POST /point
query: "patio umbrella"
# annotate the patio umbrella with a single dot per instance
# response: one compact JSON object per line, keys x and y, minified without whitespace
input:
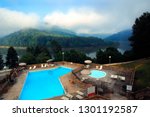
{"x":87,"y":61}
{"x":49,"y":60}
{"x":22,"y":64}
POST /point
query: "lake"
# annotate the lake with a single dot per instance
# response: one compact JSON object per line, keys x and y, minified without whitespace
{"x":91,"y":52}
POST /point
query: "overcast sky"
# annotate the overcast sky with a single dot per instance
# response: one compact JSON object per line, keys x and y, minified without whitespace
{"x":81,"y":16}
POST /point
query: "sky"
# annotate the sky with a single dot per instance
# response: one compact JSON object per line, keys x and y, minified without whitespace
{"x":80,"y":16}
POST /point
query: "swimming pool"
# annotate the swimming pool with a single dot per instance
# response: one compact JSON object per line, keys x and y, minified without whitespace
{"x":44,"y":84}
{"x":97,"y":74}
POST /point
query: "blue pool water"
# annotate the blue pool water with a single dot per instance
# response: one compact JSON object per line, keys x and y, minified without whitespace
{"x":97,"y":74}
{"x":44,"y":84}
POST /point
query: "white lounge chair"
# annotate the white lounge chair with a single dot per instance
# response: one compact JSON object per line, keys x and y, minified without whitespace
{"x":64,"y":98}
{"x":87,"y":66}
{"x":52,"y":65}
{"x":84,"y":78}
{"x":34,"y":67}
{"x":96,"y":67}
{"x":30,"y":68}
{"x":79,"y":97}
{"x":71,"y":63}
{"x":122,"y":78}
{"x":80,"y":93}
{"x":45,"y":65}
{"x":114,"y":76}
{"x":101,"y":67}
{"x":42,"y":65}
{"x":69,"y":95}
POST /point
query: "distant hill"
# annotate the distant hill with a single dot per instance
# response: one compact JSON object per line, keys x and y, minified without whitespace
{"x":121,"y":38}
{"x":57,"y":31}
{"x":95,"y":35}
{"x":67,"y":39}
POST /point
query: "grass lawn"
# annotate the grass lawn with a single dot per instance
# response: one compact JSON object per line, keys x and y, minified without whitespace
{"x":142,"y":74}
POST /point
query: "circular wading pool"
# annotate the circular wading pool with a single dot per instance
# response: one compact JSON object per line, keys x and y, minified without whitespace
{"x":97,"y":74}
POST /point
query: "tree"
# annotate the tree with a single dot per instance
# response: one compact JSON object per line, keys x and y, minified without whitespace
{"x":42,"y":58}
{"x":1,"y":62}
{"x":28,"y":58}
{"x":140,"y":39}
{"x":103,"y":56}
{"x":75,"y":56}
{"x":128,"y":55}
{"x":116,"y":56}
{"x":56,"y":49}
{"x":100,"y":56}
{"x":55,"y":46}
{"x":37,"y":54}
{"x":12,"y":58}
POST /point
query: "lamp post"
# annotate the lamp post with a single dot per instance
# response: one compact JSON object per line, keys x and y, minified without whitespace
{"x":63,"y":56}
{"x":18,"y":58}
{"x":109,"y":59}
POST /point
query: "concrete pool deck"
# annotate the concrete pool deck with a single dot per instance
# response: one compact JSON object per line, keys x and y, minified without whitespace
{"x":72,"y":84}
{"x":14,"y":91}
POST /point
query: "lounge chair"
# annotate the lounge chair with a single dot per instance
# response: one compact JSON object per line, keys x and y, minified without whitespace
{"x":114,"y":76}
{"x":30,"y":68}
{"x":84,"y":78}
{"x":42,"y":65}
{"x":51,"y":65}
{"x":96,"y":67}
{"x":122,"y":78}
{"x":64,"y":98}
{"x":71,"y":63}
{"x":34,"y":67}
{"x":79,"y":97}
{"x":45,"y":65}
{"x":80,"y":93}
{"x":69,"y":96}
{"x":100,"y":68}
{"x":87,"y":66}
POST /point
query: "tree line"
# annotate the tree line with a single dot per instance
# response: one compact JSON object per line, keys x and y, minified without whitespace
{"x":11,"y":59}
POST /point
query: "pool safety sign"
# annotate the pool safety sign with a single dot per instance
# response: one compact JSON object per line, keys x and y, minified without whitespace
{"x":91,"y":91}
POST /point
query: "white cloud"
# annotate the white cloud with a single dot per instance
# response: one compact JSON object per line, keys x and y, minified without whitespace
{"x":81,"y":16}
{"x":80,"y":20}
{"x":11,"y":21}
{"x":100,"y":17}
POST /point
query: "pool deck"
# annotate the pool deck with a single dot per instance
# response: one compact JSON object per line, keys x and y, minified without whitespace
{"x":14,"y":90}
{"x":72,"y":84}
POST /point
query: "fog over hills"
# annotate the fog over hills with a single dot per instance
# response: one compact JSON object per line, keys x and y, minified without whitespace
{"x":122,"y":38}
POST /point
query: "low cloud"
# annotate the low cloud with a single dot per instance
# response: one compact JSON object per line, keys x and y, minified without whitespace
{"x":86,"y":16}
{"x":11,"y":21}
{"x":99,"y":16}
{"x":81,"y":20}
